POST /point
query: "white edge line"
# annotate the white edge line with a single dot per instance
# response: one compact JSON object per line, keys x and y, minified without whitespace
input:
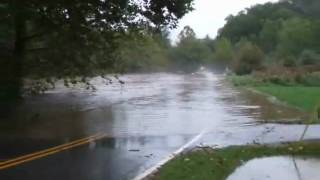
{"x":171,"y":156}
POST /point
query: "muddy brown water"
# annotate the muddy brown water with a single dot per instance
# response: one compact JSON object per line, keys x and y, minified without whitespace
{"x":147,"y":118}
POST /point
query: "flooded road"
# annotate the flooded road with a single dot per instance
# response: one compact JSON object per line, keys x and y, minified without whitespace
{"x":145,"y":120}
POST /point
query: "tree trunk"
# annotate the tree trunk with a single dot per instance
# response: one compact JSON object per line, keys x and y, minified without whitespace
{"x":19,"y":52}
{"x":12,"y":82}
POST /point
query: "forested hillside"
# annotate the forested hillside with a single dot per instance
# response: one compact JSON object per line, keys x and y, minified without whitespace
{"x":280,"y":34}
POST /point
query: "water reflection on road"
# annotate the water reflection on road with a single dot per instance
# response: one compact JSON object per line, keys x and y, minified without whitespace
{"x":146,"y":119}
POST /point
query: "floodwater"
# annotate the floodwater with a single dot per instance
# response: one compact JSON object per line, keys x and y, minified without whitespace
{"x":146,"y":119}
{"x":279,"y":168}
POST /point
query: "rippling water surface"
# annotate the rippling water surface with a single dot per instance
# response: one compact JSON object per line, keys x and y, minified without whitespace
{"x":154,"y":114}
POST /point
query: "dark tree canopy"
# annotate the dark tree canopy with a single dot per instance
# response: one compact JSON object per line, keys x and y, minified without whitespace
{"x":70,"y":38}
{"x":51,"y":27}
{"x":307,"y":7}
{"x":187,"y":33}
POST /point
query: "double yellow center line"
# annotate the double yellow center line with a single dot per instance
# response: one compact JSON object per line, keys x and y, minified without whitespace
{"x":50,"y":151}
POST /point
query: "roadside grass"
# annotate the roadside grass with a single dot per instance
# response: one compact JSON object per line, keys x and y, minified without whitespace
{"x":211,"y":164}
{"x":306,"y":98}
{"x":245,"y":80}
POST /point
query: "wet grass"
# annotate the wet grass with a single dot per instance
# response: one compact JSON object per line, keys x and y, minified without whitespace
{"x":245,"y":80}
{"x":210,"y":164}
{"x":306,"y":98}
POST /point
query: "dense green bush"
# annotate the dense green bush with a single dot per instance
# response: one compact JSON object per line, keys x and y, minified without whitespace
{"x":289,"y":61}
{"x":295,"y":35}
{"x":310,"y":79}
{"x":309,"y":57}
{"x":280,"y":80}
{"x":223,"y":50}
{"x":141,"y":53}
{"x":245,"y":80}
{"x":248,"y":58}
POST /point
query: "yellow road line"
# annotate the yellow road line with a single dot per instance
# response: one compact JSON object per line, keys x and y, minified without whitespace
{"x":47,"y":150}
{"x":50,"y":151}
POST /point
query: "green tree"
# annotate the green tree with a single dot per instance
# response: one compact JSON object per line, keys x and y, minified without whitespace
{"x":190,"y":52}
{"x":249,"y":57}
{"x":268,"y":37}
{"x":296,"y":35}
{"x":287,"y":31}
{"x":250,"y":22}
{"x":308,"y":7}
{"x":186,"y":34}
{"x":145,"y":53}
{"x":70,"y":38}
{"x":223,"y":51}
{"x":209,"y":42}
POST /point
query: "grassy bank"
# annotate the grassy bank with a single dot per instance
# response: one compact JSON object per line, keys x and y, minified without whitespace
{"x":219,"y":164}
{"x":304,"y":97}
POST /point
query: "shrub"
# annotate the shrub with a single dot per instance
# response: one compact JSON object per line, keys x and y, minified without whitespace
{"x":309,"y":57}
{"x":223,"y":50}
{"x":310,"y":79}
{"x":281,"y":80}
{"x":248,"y":58}
{"x":245,"y":80}
{"x":289,"y":61}
{"x":277,"y":74}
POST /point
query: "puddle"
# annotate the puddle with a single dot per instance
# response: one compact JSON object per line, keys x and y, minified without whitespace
{"x":279,"y":168}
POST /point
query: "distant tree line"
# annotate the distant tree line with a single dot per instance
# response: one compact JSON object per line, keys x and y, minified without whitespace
{"x":261,"y":38}
{"x":154,"y":52}
{"x":284,"y":34}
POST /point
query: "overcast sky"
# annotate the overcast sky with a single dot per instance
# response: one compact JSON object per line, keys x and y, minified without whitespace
{"x":209,"y":15}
